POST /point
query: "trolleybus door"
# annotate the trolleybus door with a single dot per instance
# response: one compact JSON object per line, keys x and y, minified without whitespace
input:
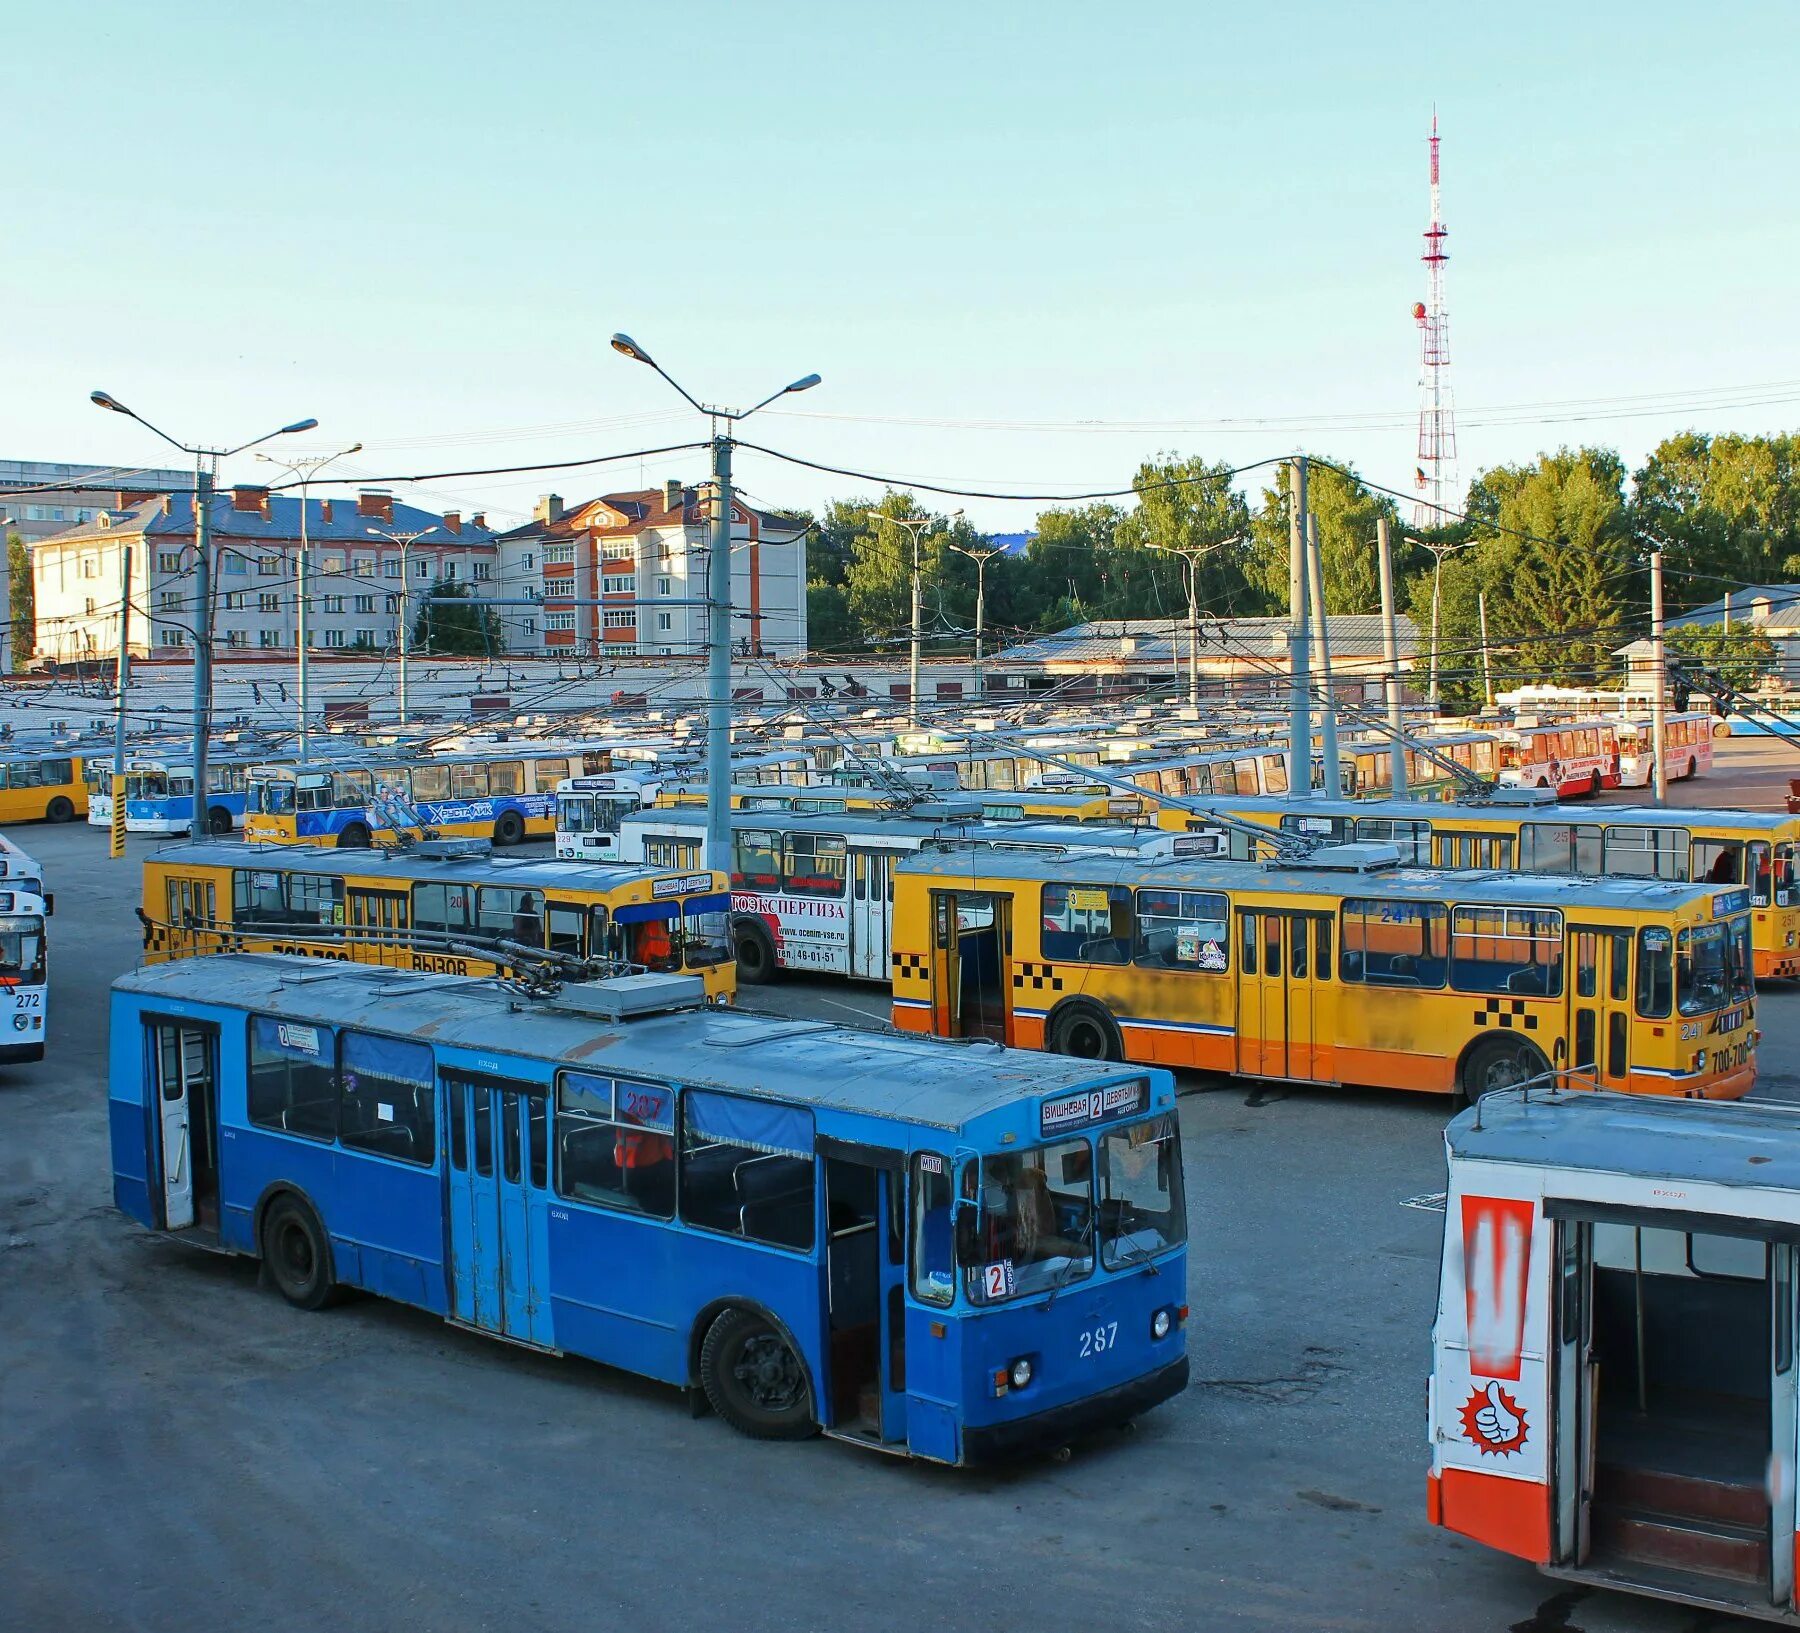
{"x":377,"y":918}
{"x":182,"y":1063}
{"x":1784,"y":1420}
{"x":871,"y":906}
{"x":191,"y":913}
{"x":1600,"y":1003}
{"x":1285,"y":1017}
{"x":866,"y":1269}
{"x":498,"y":1180}
{"x":1573,"y":1401}
{"x":971,"y":984}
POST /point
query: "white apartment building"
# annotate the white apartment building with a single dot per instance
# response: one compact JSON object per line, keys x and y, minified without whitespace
{"x":625,"y":575}
{"x":371,"y":561}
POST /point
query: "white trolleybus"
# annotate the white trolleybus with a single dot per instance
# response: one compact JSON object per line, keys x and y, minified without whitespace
{"x":1613,"y":1388}
{"x":24,"y":956}
{"x":815,"y":891}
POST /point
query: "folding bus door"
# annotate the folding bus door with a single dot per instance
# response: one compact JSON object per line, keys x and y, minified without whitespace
{"x":1600,"y":1006}
{"x":183,"y":1071}
{"x":871,"y":908}
{"x":1286,"y":998}
{"x":377,"y":920}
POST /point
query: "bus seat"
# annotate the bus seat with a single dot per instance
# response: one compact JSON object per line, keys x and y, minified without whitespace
{"x":777,"y":1195}
{"x":1528,"y":982}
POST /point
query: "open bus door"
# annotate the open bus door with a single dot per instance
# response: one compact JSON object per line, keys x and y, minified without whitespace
{"x":182,"y":1066}
{"x":971,"y":961}
{"x":865,"y":1210}
{"x":1574,"y":1399}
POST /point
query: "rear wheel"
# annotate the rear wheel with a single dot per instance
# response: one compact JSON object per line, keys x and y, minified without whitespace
{"x":354,"y":838}
{"x":754,"y":1380}
{"x":297,"y":1254}
{"x":1086,"y":1034}
{"x":60,"y":809}
{"x":755,"y":954}
{"x":510,"y":829}
{"x":1500,"y":1063}
{"x":218,"y":820}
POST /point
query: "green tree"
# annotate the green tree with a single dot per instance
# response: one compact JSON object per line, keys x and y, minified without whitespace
{"x":1742,"y":655}
{"x":1725,"y":510}
{"x":1347,"y":514}
{"x":1188,"y":505}
{"x":471,"y":629}
{"x":23,"y":600}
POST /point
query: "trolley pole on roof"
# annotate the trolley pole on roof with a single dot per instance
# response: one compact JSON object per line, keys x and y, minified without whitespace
{"x":718,"y":588}
{"x":1299,"y":682}
{"x":1390,"y":658}
{"x":206,"y":467}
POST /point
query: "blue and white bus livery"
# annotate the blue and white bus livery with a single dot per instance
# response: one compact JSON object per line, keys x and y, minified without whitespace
{"x":953,"y":1252}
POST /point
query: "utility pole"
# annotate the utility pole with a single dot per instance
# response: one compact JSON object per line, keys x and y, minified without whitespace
{"x":1390,"y":657}
{"x":1487,"y":658}
{"x":122,"y":679}
{"x":205,"y":474}
{"x":1299,"y":682}
{"x":1190,"y":556}
{"x":402,"y":629}
{"x":1659,"y":699}
{"x":981,"y":558}
{"x":718,"y":582}
{"x":917,"y":527}
{"x":1333,"y":785}
{"x":1437,"y":600}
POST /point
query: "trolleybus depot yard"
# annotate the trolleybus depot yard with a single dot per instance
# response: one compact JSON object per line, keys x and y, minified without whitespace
{"x":952,"y":1289}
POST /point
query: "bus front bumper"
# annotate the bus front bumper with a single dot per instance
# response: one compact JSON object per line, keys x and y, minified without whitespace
{"x":996,"y":1442}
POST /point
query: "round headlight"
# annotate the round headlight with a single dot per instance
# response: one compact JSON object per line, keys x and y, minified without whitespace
{"x":1021,"y":1373}
{"x":1159,"y":1324}
{"x":21,"y":1021}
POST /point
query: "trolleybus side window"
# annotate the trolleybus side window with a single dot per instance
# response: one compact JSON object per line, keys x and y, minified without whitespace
{"x":1142,"y":1210}
{"x":546,"y":774}
{"x":933,"y":1240}
{"x":315,"y":898}
{"x":349,"y":788}
{"x":615,"y":1143}
{"x":1656,"y":973}
{"x":1761,"y":882}
{"x":506,"y":777}
{"x":1413,"y":838}
{"x":1647,"y":853}
{"x":291,"y":1085}
{"x":256,"y":897}
{"x":1037,"y":1221}
{"x":504,"y":914}
{"x":756,"y":858}
{"x":1183,"y":930}
{"x":1560,"y":847}
{"x":1087,"y":924}
{"x":747,"y":1168}
{"x":430,"y":782}
{"x":1719,"y":861}
{"x":442,"y":907}
{"x":468,"y":779}
{"x":1517,"y":950}
{"x":566,"y":932}
{"x":1393,"y":943}
{"x":389,"y":1103}
{"x":813,"y":865}
{"x":678,"y":855}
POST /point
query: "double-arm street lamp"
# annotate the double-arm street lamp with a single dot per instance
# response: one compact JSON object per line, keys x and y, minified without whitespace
{"x":206,"y":471}
{"x":917,"y":527}
{"x":718,"y":595}
{"x":981,"y":555}
{"x":403,"y":629}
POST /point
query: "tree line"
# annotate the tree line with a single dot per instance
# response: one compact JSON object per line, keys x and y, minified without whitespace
{"x":1558,"y":547}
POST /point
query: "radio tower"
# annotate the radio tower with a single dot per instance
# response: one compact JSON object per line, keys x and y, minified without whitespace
{"x":1435,"y":474}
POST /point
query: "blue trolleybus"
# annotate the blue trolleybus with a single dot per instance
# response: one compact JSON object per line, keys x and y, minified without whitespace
{"x":953,"y":1251}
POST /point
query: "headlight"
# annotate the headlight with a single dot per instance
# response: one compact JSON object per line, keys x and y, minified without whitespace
{"x":1021,"y":1373}
{"x":1160,"y":1323}
{"x":21,"y":1021}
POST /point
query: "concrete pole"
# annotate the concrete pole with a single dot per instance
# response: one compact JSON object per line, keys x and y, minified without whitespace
{"x":1659,"y":698}
{"x":917,"y":635}
{"x":981,"y":562}
{"x":1390,"y":657}
{"x":1299,"y":682}
{"x":1487,"y":660}
{"x":1333,"y":785}
{"x":718,"y":667}
{"x":1437,"y":597}
{"x":300,"y":629}
{"x":124,"y":666}
{"x":203,"y":634}
{"x":405,"y":631}
{"x":1193,"y":577}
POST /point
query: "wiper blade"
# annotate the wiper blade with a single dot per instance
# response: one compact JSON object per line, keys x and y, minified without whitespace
{"x":1074,"y":1264}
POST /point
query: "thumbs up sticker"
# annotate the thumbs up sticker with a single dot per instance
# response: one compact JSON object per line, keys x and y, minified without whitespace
{"x":1494,"y":1421}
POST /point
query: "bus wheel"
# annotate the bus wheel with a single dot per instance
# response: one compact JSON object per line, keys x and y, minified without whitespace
{"x":218,"y":820}
{"x":510,"y":829}
{"x":354,"y":838}
{"x":59,"y":809}
{"x":754,"y":1380}
{"x":297,"y":1254}
{"x":755,"y":955}
{"x":1500,"y":1063}
{"x":1087,"y":1033}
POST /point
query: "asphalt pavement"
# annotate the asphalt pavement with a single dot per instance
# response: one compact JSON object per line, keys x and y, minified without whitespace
{"x":180,"y":1449}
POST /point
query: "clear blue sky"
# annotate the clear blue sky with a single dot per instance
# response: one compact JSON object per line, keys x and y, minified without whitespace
{"x":420,"y":223}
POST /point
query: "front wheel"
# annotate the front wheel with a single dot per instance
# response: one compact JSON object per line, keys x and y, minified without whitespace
{"x":1500,"y":1063}
{"x":510,"y":829}
{"x":60,"y":809}
{"x":354,"y":838}
{"x":754,"y":1380}
{"x":297,"y":1254}
{"x":218,"y":820}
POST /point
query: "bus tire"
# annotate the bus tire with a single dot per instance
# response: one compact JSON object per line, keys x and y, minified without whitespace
{"x":1498,"y":1063}
{"x":754,"y":1379}
{"x":509,"y":829}
{"x":60,"y":809}
{"x":355,"y":837}
{"x":297,"y":1254}
{"x":218,"y":820}
{"x":1084,"y":1031}
{"x":755,"y":953}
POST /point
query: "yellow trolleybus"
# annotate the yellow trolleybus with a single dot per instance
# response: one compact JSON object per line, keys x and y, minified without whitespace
{"x":1342,"y":969}
{"x":439,"y":909}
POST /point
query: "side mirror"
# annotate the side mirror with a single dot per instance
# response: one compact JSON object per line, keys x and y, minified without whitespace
{"x":968,"y":1242}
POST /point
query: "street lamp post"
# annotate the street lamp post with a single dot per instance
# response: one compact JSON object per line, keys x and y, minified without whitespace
{"x":1438,"y":552}
{"x":981,"y":557}
{"x":917,"y":527}
{"x":206,"y":471}
{"x":307,"y":470}
{"x":403,"y":630}
{"x":718,"y":595}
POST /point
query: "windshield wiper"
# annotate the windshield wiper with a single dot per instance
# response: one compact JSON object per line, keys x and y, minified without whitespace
{"x":1074,"y":1264}
{"x":1144,"y":1256}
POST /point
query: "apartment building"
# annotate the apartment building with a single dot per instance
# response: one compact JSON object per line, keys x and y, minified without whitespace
{"x":625,"y":574}
{"x":39,"y":497}
{"x":371,"y":562}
